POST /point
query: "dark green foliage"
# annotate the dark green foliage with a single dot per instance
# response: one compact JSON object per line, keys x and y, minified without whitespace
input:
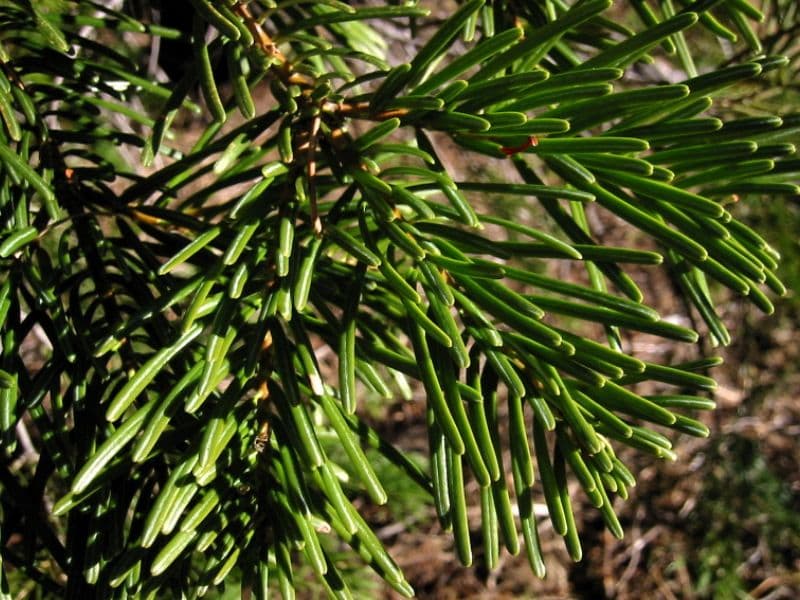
{"x":169,"y":308}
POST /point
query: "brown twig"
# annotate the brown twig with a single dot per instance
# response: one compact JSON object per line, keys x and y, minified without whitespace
{"x":262,"y":38}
